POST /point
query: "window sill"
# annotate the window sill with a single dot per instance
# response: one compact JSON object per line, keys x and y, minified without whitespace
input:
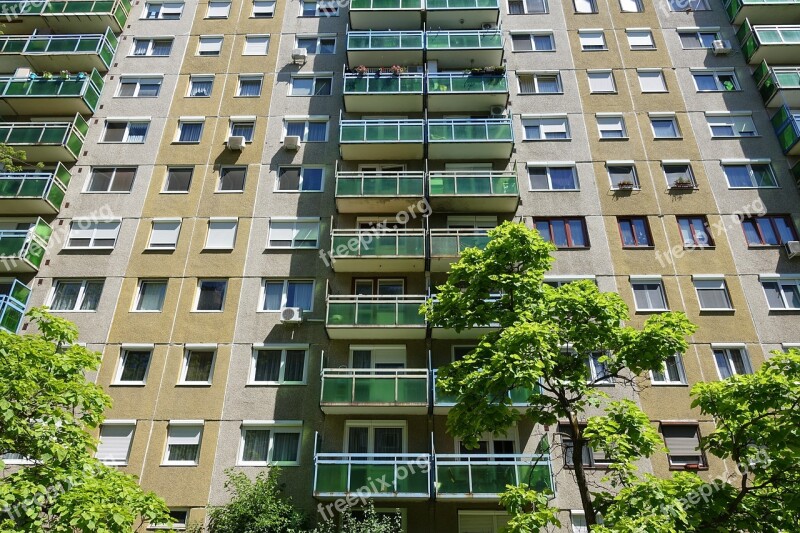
{"x":733,"y":137}
{"x":128,"y":384}
{"x":765,"y":246}
{"x":681,"y":468}
{"x":554,"y":190}
{"x":262,"y":464}
{"x":186,"y":142}
{"x":274,"y":384}
{"x":225,"y":249}
{"x":614,"y":138}
{"x":173,"y":192}
{"x":529,"y":51}
{"x":194,"y":384}
{"x":729,"y":310}
{"x":159,"y":249}
{"x":178,"y":464}
{"x":295,"y":192}
{"x":647,"y":247}
{"x":784,"y":310}
{"x":72,"y":310}
{"x":665,"y":384}
{"x":699,"y":247}
{"x":207,"y":311}
{"x":146,"y":311}
{"x":105,"y":192}
{"x":603,"y":92}
{"x":667,"y":138}
{"x":568,"y":139}
{"x":228,"y":192}
{"x":648,"y":311}
{"x":198,"y":96}
{"x":753,"y":188}
{"x":87,"y":248}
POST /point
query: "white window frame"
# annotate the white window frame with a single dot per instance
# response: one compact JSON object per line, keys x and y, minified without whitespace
{"x":251,"y":40}
{"x":634,"y":172}
{"x":711,"y":283}
{"x":211,"y":44}
{"x":590,"y":4}
{"x":236,"y":122}
{"x":306,"y":122}
{"x":536,"y":76}
{"x":201,"y":78}
{"x":302,"y":168}
{"x":123,"y":353}
{"x":281,"y":426}
{"x":547,"y":122}
{"x":650,"y":74}
{"x":697,"y":32}
{"x":283,"y":348}
{"x":677,"y":6}
{"x":92,"y":225}
{"x":637,"y":4}
{"x":166,"y":180}
{"x":531,"y":35}
{"x":637,"y":280}
{"x":114,"y":170}
{"x":550,"y":165}
{"x":525,"y":8}
{"x":173,"y":12}
{"x":665,"y":373}
{"x":167,"y":245}
{"x":678,"y":163}
{"x":577,"y":521}
{"x":222,"y":9}
{"x":131,"y":424}
{"x":728,"y":350}
{"x":665,"y":117}
{"x":249,"y":77}
{"x":219,"y":190}
{"x":294,"y":221}
{"x":700,"y":456}
{"x":317,"y":46}
{"x":284,"y":292}
{"x":79,"y":300}
{"x":186,"y":121}
{"x":749,"y":165}
{"x":781,"y":281}
{"x":601,"y":127}
{"x":150,"y":46}
{"x":137,"y":300}
{"x":184,"y":423}
{"x":188,"y":350}
{"x":372,"y":424}
{"x":317,"y":11}
{"x":608,"y":76}
{"x":716,"y":74}
{"x":126,"y":134}
{"x":739,"y":123}
{"x":267,"y":8}
{"x":640,"y":34}
{"x":198,"y":291}
{"x":138,"y":81}
{"x":586,"y":37}
{"x":594,"y":371}
{"x":212,"y":230}
{"x":313,"y":78}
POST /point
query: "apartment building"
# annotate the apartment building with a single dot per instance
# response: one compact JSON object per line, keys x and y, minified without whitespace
{"x":245,"y":202}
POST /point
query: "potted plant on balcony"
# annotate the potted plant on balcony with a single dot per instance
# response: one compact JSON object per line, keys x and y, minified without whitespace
{"x":625,"y":185}
{"x":396,"y":70}
{"x":81,"y":75}
{"x":47,"y":75}
{"x":476,"y":71}
{"x":682,"y":183}
{"x":65,"y":74}
{"x":361,"y":70}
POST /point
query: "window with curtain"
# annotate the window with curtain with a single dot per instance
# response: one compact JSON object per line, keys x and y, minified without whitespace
{"x":198,"y":365}
{"x":308,"y":131}
{"x":211,"y":295}
{"x":671,"y":372}
{"x":712,"y":294}
{"x":553,"y":178}
{"x":249,"y":87}
{"x":160,"y":47}
{"x":288,"y":293}
{"x":769,"y":230}
{"x":151,"y":295}
{"x":388,"y":440}
{"x":782,"y":294}
{"x":694,"y":231}
{"x":732,"y":362}
{"x":276,"y":444}
{"x":563,"y":232}
{"x":200,"y":87}
{"x":649,"y":296}
{"x":183,"y":444}
{"x":281,"y":366}
{"x":635,"y":232}
{"x":133,"y":366}
{"x":623,"y":176}
{"x":752,"y":175}
{"x":300,"y":179}
{"x":243,"y":129}
{"x":256,"y":446}
{"x":190,"y":132}
{"x":293,"y":234}
{"x":76,"y":295}
{"x":111,"y":179}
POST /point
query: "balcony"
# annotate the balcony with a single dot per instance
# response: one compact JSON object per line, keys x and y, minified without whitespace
{"x":787,"y":126}
{"x":55,"y":96}
{"x":779,"y":85}
{"x":55,"y":53}
{"x":384,"y":48}
{"x":338,"y":475}
{"x":33,"y":193}
{"x":777,"y":45}
{"x":473,"y":191}
{"x":454,"y":14}
{"x":13,"y":301}
{"x":386,"y":14}
{"x":466,"y":92}
{"x":21,"y":251}
{"x":375,"y":317}
{"x":447,"y":245}
{"x":347,"y":391}
{"x":378,"y":192}
{"x":470,"y":138}
{"x":762,"y":11}
{"x":796,"y":173}
{"x":484,"y":477}
{"x":463,"y":49}
{"x":476,"y":331}
{"x":66,"y":16}
{"x":377,"y":92}
{"x":46,"y":141}
{"x":377,"y":140}
{"x":400,"y":250}
{"x":442,"y":402}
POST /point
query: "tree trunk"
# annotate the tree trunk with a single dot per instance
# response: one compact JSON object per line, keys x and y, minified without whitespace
{"x":578,"y":443}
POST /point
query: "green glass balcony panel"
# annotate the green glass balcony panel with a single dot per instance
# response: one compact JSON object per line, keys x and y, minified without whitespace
{"x":331,"y":478}
{"x":788,"y":78}
{"x":382,"y":131}
{"x":492,"y":479}
{"x":412,"y":390}
{"x":12,"y":243}
{"x":462,"y":4}
{"x":410,"y":40}
{"x":408,"y":315}
{"x":383,"y":185}
{"x":781,"y":117}
{"x":14,"y":7}
{"x":340,"y":314}
{"x":345,"y":386}
{"x":796,"y":173}
{"x":12,"y":44}
{"x":778,"y":34}
{"x":386,"y":4}
{"x":453,"y":479}
{"x":366,"y":312}
{"x":119,"y":9}
{"x":789,"y":135}
{"x":452,"y":244}
{"x":490,"y":475}
{"x":87,"y":88}
{"x":520,"y":395}
{"x":470,"y":130}
{"x":457,"y":40}
{"x":374,"y":390}
{"x":10,"y":316}
{"x":337,"y":390}
{"x":466,"y":83}
{"x":482,"y":185}
{"x":536,"y":476}
{"x":362,"y":474}
{"x":383,"y":84}
{"x":445,"y":398}
{"x":415,"y":483}
{"x":376,"y":245}
{"x":20,"y":292}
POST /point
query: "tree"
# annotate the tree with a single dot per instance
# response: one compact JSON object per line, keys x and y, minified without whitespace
{"x":47,"y":409}
{"x":256,"y":506}
{"x":543,"y":340}
{"x":12,"y":160}
{"x":368,"y":521}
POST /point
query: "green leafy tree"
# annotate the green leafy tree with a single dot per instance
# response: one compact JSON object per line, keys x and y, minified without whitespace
{"x":12,"y":160}
{"x":47,"y":411}
{"x":256,"y":506}
{"x":543,"y":339}
{"x":367,"y":520}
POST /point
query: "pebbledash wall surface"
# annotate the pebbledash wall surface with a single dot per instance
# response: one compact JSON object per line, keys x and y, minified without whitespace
{"x":246,"y":201}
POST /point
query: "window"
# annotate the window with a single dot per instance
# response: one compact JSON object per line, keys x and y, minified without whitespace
{"x":375,"y":436}
{"x":585,"y":6}
{"x":553,"y":178}
{"x":300,"y":179}
{"x":151,"y":294}
{"x":649,"y":295}
{"x":589,"y":457}
{"x":163,"y":10}
{"x":527,"y":7}
{"x":539,"y":83}
{"x":125,"y":132}
{"x":563,"y":232}
{"x":715,"y":81}
{"x":578,"y":522}
{"x":731,"y":125}
{"x":256,"y":45}
{"x":545,"y":129}
{"x":694,"y":232}
{"x":635,"y":232}
{"x":189,"y":131}
{"x":749,"y":175}
{"x":179,"y":519}
{"x":270,"y":443}
{"x":631,"y":6}
{"x":611,"y":127}
{"x":782,"y":293}
{"x":679,"y":175}
{"x":311,"y":86}
{"x":209,"y":45}
{"x":698,"y":38}
{"x":598,"y":370}
{"x":288,"y":293}
{"x":671,"y":372}
{"x":317,"y":45}
{"x":712,"y":294}
{"x":133,"y":366}
{"x":601,"y":81}
{"x":683,"y":443}
{"x":623,"y":176}
{"x":293,"y":234}
{"x":279,"y":365}
{"x":210,"y":295}
{"x":263,"y":9}
{"x":183,"y":443}
{"x":231,"y":179}
{"x":198,"y":366}
{"x":243,"y":128}
{"x":482,"y":521}
{"x":664,"y":127}
{"x":652,"y":81}
{"x":318,"y":8}
{"x":640,"y":39}
{"x":688,"y":5}
{"x":249,"y":86}
{"x":532,"y":42}
{"x":164,"y":234}
{"x":178,"y":179}
{"x":218,"y":10}
{"x":152,"y":47}
{"x":115,"y":442}
{"x":732,"y":362}
{"x":592,"y":40}
{"x":113,"y":179}
{"x":76,"y":295}
{"x":221,"y":234}
{"x":200,"y":86}
{"x":91,"y":234}
{"x":768,"y":230}
{"x":139,"y":87}
{"x":308,"y":130}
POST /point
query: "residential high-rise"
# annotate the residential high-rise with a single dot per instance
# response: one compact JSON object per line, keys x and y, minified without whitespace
{"x":250,"y":199}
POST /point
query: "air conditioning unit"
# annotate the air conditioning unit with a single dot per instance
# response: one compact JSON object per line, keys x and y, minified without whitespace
{"x":488,"y":26}
{"x":793,"y":249}
{"x":497,"y":111}
{"x":291,"y":315}
{"x":236,"y":142}
{"x":721,"y":48}
{"x":299,"y":55}
{"x":291,"y":142}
